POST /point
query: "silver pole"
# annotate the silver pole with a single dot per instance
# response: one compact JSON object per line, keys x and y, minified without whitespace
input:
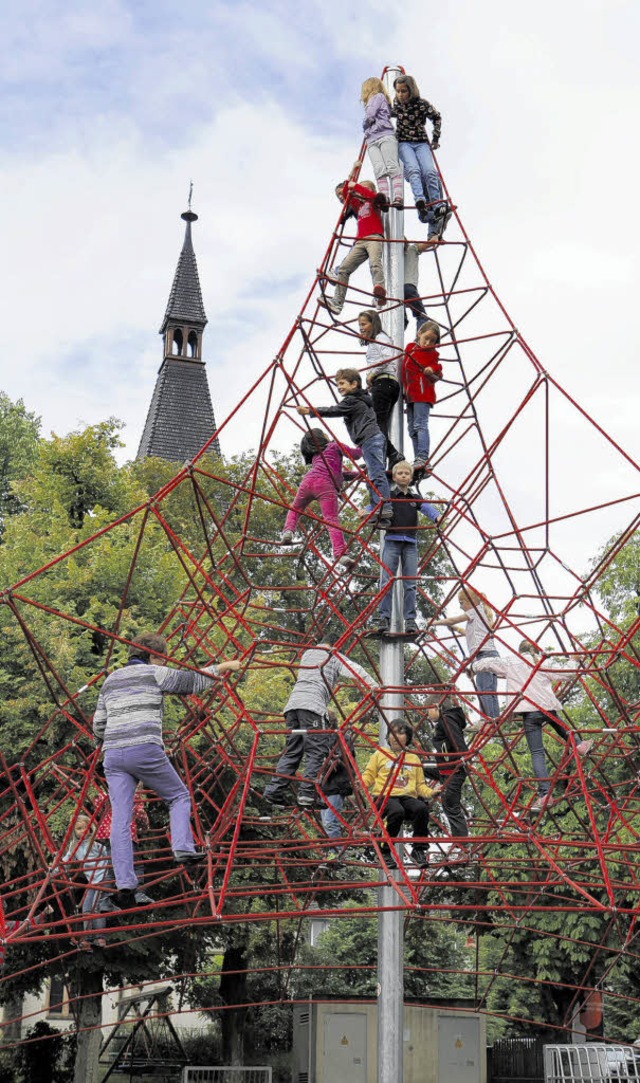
{"x":390,"y":948}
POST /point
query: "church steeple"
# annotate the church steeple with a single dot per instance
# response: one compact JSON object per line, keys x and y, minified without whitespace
{"x":185,"y":318}
{"x":180,"y":418}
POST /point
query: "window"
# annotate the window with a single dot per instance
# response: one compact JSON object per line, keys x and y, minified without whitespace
{"x":58,"y":999}
{"x":176,"y":344}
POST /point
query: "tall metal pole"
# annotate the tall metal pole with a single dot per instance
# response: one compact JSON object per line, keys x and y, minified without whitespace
{"x":390,"y":922}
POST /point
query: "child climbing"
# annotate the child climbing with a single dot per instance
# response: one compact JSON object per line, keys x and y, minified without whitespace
{"x":382,"y":374}
{"x":412,"y":299}
{"x":395,"y":779}
{"x":334,"y":779}
{"x":421,"y":370}
{"x":381,"y":141}
{"x":401,"y":548}
{"x":412,"y":112}
{"x":320,"y":669}
{"x":479,"y":619}
{"x":532,"y":701}
{"x":322,"y":483}
{"x":93,"y":858}
{"x":358,"y":414}
{"x":450,"y":751}
{"x":363,"y":200}
{"x":128,"y":720}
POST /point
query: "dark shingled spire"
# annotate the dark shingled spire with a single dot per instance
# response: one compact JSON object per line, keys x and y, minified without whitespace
{"x":180,"y":419}
{"x":185,"y":300}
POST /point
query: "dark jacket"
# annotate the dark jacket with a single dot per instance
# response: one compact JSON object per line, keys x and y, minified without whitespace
{"x":356,"y":409}
{"x":449,"y":742}
{"x":411,"y":117}
{"x":406,"y":507}
{"x":336,"y":773}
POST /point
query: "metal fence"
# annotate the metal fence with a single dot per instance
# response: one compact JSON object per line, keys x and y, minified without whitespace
{"x":516,"y":1060}
{"x":222,"y":1074}
{"x":591,"y":1063}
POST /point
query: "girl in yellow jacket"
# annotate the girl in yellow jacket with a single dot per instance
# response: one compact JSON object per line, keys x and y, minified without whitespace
{"x":395,"y":779}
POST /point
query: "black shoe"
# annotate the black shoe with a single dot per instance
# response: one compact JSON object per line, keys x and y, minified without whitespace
{"x":125,"y":899}
{"x":380,"y":627}
{"x":366,"y":856}
{"x":420,"y":857}
{"x":189,"y":857}
{"x":277,"y":798}
{"x":388,"y":858}
{"x":307,"y":800}
{"x":421,"y":207}
{"x":411,"y":628}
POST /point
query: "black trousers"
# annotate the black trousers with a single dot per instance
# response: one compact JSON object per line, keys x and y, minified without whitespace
{"x":385,"y":393}
{"x":414,"y":302}
{"x":398,"y":809}
{"x":296,"y":746}
{"x":451,"y":806}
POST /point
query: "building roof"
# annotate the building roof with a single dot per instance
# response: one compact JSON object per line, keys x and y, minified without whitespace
{"x":180,"y":418}
{"x":185,"y":300}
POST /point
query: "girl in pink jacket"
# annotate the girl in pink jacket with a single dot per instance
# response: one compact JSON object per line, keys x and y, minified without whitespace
{"x":323,"y":483}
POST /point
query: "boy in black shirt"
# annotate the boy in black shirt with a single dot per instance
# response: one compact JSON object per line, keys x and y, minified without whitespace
{"x":356,"y":409}
{"x":401,"y":547}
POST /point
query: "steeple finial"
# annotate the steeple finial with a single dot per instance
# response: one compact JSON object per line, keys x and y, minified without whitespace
{"x":189,"y":215}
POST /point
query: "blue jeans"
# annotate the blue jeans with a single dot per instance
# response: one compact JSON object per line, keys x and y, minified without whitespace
{"x":487,"y":686}
{"x":421,"y":173}
{"x":330,"y":821}
{"x":374,"y":453}
{"x":533,"y":722}
{"x":418,"y":425}
{"x":405,"y":554}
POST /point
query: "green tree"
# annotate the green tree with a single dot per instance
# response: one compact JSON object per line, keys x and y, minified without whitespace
{"x":19,"y":437}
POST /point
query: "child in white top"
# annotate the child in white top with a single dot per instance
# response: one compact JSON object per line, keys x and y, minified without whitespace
{"x":382,"y":374}
{"x":479,"y":619}
{"x":381,"y":141}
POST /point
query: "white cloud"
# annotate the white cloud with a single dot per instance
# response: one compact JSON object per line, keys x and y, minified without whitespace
{"x":536,"y":150}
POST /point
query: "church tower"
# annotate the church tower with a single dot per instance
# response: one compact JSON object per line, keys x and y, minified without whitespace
{"x":180,"y":418}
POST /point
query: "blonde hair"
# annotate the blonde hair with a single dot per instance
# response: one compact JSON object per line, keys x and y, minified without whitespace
{"x":529,"y":648}
{"x":478,"y":600}
{"x":367,"y":184}
{"x":84,"y":825}
{"x":371,"y":87}
{"x":404,"y":463}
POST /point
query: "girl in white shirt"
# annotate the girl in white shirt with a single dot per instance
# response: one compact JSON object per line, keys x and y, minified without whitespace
{"x":382,"y":374}
{"x":479,"y":619}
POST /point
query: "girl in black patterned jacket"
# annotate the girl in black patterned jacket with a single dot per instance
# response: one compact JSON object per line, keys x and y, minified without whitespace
{"x":420,"y":170}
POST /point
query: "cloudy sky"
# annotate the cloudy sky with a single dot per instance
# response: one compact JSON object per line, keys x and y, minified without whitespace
{"x":110,"y":108}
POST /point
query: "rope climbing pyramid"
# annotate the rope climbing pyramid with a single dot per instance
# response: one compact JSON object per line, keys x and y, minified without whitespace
{"x":472,"y":799}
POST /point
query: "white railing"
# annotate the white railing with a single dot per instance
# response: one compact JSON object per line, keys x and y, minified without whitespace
{"x":223,"y":1074}
{"x":592,"y":1062}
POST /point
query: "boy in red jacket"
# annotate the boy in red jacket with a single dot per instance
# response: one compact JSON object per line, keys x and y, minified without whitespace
{"x":363,"y":201}
{"x":421,"y":370}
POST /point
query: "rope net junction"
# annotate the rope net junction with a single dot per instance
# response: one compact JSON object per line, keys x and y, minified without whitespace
{"x":500,"y":417}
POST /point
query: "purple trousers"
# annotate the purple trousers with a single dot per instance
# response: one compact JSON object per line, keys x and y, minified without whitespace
{"x":124,"y":768}
{"x":328,"y":499}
